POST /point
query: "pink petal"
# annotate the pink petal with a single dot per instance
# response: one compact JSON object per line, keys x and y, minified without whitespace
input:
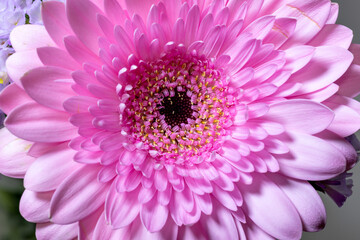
{"x":298,"y":116}
{"x":310,"y":158}
{"x":45,"y":231}
{"x":41,"y":84}
{"x":282,"y":30}
{"x":310,"y":15}
{"x":261,"y":27}
{"x":11,"y":97}
{"x":298,"y":57}
{"x":78,"y":195}
{"x":333,"y":35}
{"x":36,"y":123}
{"x":105,"y":231}
{"x":347,"y":119}
{"x":62,"y":59}
{"x":14,"y":161}
{"x":87,"y":225}
{"x":153,"y":215}
{"x":29,"y":37}
{"x":139,"y":231}
{"x":49,"y":170}
{"x":270,"y":209}
{"x":349,"y":83}
{"x":82,"y":19}
{"x":306,"y":201}
{"x":139,"y":7}
{"x":35,"y":206}
{"x":327,"y":65}
{"x":52,"y":14}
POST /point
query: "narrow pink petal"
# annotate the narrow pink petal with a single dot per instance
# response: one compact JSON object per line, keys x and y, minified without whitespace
{"x":14,"y":161}
{"x":327,"y":65}
{"x":333,"y":35}
{"x":310,"y":158}
{"x":35,"y":206}
{"x":82,"y":19}
{"x":36,"y":123}
{"x":79,"y":51}
{"x":270,"y":209}
{"x":301,"y":116}
{"x":252,"y":231}
{"x":334,"y":13}
{"x":306,"y":201}
{"x":29,"y":37}
{"x":49,"y":170}
{"x":21,"y":62}
{"x":153,"y":215}
{"x":41,"y":84}
{"x":78,"y":195}
{"x":55,"y":21}
{"x":139,"y":231}
{"x":46,"y":231}
{"x":192,"y":24}
{"x":11,"y":97}
{"x":114,"y":11}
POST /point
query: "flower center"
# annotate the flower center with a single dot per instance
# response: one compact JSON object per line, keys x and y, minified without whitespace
{"x":179,"y":107}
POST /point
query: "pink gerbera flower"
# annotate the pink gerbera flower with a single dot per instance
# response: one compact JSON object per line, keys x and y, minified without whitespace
{"x":172,"y":119}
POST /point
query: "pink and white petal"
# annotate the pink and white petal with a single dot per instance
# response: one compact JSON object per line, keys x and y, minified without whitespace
{"x":50,"y":170}
{"x":14,"y":161}
{"x":29,"y":37}
{"x":270,"y":208}
{"x":333,"y":35}
{"x":55,"y":21}
{"x":301,"y":116}
{"x":327,"y":65}
{"x":78,"y":196}
{"x":49,"y":86}
{"x":11,"y":97}
{"x":35,"y":206}
{"x":306,"y":201}
{"x":310,"y":158}
{"x":252,"y":231}
{"x":36,"y":123}
{"x":51,"y":231}
{"x":21,"y":62}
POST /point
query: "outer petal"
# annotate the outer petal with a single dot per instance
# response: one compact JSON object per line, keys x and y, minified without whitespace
{"x":310,"y":158}
{"x":301,"y":116}
{"x":78,"y":196}
{"x":39,"y":124}
{"x":51,"y":231}
{"x":306,"y":201}
{"x":35,"y":207}
{"x":270,"y":209}
{"x":49,"y":170}
{"x":11,"y":97}
{"x":42,"y":83}
{"x":14,"y":160}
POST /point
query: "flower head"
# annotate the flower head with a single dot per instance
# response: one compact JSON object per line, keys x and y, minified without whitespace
{"x":179,"y":119}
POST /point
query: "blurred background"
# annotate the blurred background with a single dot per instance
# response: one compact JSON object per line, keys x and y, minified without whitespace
{"x":342,"y":223}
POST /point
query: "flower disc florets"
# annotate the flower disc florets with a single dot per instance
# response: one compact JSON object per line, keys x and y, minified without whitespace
{"x":178,"y":107}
